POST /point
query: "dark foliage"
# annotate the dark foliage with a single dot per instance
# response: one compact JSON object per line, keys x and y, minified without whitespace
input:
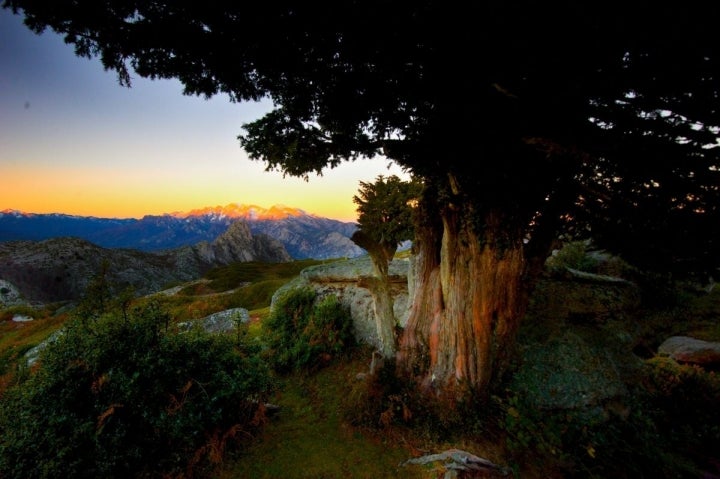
{"x":558,"y":116}
{"x":121,"y":396}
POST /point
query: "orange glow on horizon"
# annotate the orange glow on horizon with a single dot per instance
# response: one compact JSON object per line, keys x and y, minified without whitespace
{"x":84,"y":192}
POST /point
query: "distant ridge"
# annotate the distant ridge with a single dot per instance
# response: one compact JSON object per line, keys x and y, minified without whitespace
{"x":304,"y":235}
{"x":232,"y":210}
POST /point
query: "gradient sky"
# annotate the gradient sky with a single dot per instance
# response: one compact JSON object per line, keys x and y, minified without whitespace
{"x":73,"y":141}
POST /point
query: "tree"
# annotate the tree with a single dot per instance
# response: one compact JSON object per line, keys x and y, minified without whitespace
{"x":523,"y":120}
{"x":384,"y":222}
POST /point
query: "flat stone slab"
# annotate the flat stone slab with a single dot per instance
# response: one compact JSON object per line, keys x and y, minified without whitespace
{"x":690,"y":350}
{"x":351,"y":269}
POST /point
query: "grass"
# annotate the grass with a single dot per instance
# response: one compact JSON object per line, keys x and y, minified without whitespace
{"x":18,"y":337}
{"x":229,"y":277}
{"x":309,"y":439}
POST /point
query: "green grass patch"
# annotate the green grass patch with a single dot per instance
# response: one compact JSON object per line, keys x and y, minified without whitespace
{"x":234,"y":275}
{"x":20,"y":334}
{"x":309,"y":439}
{"x":255,"y":295}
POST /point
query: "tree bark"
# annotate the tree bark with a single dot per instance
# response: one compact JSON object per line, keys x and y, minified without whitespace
{"x":384,"y":315}
{"x":379,"y":287}
{"x":469,"y":299}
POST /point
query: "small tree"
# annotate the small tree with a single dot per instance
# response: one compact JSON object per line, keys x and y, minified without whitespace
{"x":384,"y":221}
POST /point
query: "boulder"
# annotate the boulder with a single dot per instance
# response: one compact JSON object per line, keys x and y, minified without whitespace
{"x":685,"y":349}
{"x":582,"y":297}
{"x":9,"y":294}
{"x":220,"y":322}
{"x":567,"y":372}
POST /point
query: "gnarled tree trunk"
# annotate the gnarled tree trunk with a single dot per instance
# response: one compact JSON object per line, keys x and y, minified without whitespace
{"x":469,"y":299}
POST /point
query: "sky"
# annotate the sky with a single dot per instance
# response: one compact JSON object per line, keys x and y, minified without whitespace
{"x":73,"y":141}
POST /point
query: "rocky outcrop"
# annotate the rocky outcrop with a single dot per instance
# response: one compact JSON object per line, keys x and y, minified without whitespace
{"x":9,"y":294}
{"x":574,"y":351}
{"x":310,"y":236}
{"x":570,"y":372}
{"x":456,"y":463}
{"x":237,"y":244}
{"x":582,"y":297}
{"x":60,"y":269}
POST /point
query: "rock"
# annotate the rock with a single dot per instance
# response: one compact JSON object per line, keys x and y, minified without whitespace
{"x":456,"y":461}
{"x":9,"y":294}
{"x":32,"y":355}
{"x":567,"y":373}
{"x":220,"y":322}
{"x":584,"y":297}
{"x":239,"y":244}
{"x":685,"y":349}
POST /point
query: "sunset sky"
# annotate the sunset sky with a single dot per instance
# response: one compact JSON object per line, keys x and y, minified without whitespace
{"x":73,"y":141}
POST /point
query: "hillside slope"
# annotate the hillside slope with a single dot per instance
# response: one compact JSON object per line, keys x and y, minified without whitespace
{"x":60,"y":269}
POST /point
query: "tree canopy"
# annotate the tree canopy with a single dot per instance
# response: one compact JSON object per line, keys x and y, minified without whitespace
{"x":543,"y":110}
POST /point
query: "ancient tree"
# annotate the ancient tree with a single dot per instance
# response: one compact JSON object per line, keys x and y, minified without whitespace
{"x":523,"y":119}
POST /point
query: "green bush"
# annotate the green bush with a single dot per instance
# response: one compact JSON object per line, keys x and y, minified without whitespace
{"x":572,"y":255}
{"x":122,"y":396}
{"x":684,"y":403}
{"x":302,"y":333}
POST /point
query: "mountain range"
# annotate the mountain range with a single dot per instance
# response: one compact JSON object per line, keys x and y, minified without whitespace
{"x":302,"y":234}
{"x":60,"y":269}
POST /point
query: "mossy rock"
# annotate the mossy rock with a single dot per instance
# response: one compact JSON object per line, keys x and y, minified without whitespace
{"x":565,"y":372}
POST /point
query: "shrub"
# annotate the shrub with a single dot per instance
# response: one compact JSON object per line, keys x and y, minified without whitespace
{"x":667,"y":427}
{"x":303,"y":333}
{"x":121,"y":396}
{"x":683,"y":400}
{"x":572,"y":255}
